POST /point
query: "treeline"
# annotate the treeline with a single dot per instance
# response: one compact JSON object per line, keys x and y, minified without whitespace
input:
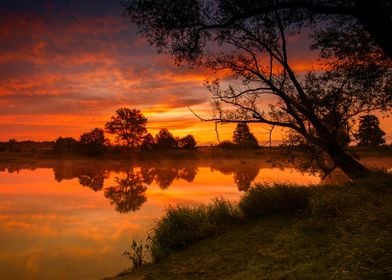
{"x":129,"y":128}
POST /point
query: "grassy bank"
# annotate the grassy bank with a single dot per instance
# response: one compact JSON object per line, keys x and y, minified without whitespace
{"x":281,"y":232}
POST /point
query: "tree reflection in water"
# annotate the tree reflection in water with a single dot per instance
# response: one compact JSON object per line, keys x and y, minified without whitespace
{"x":243,"y":177}
{"x":94,"y":180}
{"x":129,"y":192}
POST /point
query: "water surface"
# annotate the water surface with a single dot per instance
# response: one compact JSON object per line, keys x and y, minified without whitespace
{"x":73,"y":219}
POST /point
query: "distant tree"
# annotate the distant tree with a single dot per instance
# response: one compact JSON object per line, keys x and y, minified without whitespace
{"x":369,"y":132}
{"x":243,"y":137}
{"x":93,"y":142}
{"x":165,"y":140}
{"x":148,"y":143}
{"x":65,"y":145}
{"x":129,"y":125}
{"x":12,"y":145}
{"x":187,"y":142}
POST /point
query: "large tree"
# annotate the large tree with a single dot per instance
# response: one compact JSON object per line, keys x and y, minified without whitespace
{"x":251,"y":40}
{"x":200,"y":17}
{"x":129,"y":125}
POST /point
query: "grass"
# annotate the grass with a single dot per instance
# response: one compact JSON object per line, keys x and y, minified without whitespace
{"x":325,"y":232}
{"x":181,"y":226}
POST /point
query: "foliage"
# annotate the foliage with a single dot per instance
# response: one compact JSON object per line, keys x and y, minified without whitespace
{"x":148,"y":143}
{"x":265,"y":200}
{"x":243,"y":137}
{"x":353,"y":242}
{"x":227,"y":145}
{"x":65,"y":145}
{"x":139,"y":252}
{"x":165,"y":140}
{"x":369,"y":132}
{"x":181,"y":226}
{"x":187,"y":142}
{"x":93,"y":142}
{"x":321,"y":224}
{"x":129,"y":125}
{"x":251,"y":40}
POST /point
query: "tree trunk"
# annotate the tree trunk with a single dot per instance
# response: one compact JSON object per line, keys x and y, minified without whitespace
{"x":351,"y":167}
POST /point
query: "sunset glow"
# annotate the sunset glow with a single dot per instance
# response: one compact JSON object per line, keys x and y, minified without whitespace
{"x":65,"y":68}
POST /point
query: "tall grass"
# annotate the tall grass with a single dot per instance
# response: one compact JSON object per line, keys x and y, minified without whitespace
{"x":184,"y":225}
{"x":346,"y":208}
{"x":264,"y":200}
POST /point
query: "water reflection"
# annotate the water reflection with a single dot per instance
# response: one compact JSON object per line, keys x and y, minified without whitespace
{"x":60,"y":214}
{"x":129,"y":193}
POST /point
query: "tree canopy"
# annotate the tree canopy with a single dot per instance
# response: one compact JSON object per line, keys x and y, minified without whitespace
{"x":93,"y":142}
{"x":187,"y":142}
{"x":243,"y":137}
{"x":251,"y":39}
{"x":369,"y":132}
{"x":165,"y":140}
{"x":129,"y":125}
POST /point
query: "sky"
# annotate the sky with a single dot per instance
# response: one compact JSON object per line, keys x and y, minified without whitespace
{"x":66,"y":66}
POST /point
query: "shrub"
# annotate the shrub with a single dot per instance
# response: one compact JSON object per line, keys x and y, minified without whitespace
{"x":227,"y":145}
{"x":280,"y":199}
{"x":182,"y":226}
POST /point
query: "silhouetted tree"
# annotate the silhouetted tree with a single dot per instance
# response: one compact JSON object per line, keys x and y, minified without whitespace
{"x":129,"y":192}
{"x":65,"y":145}
{"x":243,"y":137}
{"x":187,"y":142}
{"x":93,"y":142}
{"x":369,"y":132}
{"x":129,"y":125}
{"x":12,"y":145}
{"x":250,"y":39}
{"x":148,"y":143}
{"x":165,"y":140}
{"x":200,"y":18}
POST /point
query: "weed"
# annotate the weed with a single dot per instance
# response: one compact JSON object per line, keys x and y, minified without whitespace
{"x":139,"y":252}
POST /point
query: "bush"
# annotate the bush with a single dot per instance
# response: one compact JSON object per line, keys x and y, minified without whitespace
{"x":227,"y":145}
{"x":279,"y":199}
{"x":182,"y":226}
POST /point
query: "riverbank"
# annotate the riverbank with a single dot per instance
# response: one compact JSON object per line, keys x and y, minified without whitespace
{"x":335,"y":232}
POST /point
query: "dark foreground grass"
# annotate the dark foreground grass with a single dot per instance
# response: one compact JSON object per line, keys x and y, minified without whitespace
{"x":324,"y":232}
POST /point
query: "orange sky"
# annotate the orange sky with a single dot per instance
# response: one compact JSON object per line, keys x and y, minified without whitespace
{"x":65,"y":69}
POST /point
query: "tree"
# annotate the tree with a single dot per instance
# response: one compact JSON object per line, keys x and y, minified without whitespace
{"x":65,"y":145}
{"x":187,"y":142}
{"x":165,"y":140}
{"x":250,"y":39}
{"x":369,"y":132}
{"x":129,"y":125}
{"x":243,"y":137}
{"x":93,"y":142}
{"x":201,"y":17}
{"x":148,"y":143}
